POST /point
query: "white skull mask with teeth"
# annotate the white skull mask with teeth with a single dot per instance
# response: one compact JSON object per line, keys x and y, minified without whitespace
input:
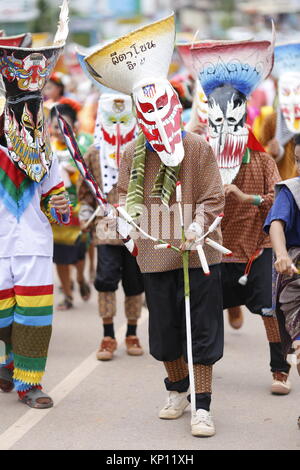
{"x":228,"y":134}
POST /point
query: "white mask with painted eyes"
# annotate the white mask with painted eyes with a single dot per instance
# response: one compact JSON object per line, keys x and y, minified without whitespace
{"x":158,"y":111}
{"x":289,"y":100}
{"x":228,"y":134}
{"x":117,"y":125}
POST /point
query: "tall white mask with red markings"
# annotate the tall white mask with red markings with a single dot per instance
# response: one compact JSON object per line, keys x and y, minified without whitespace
{"x":118,"y":125}
{"x":158,"y":111}
{"x":138,"y":64}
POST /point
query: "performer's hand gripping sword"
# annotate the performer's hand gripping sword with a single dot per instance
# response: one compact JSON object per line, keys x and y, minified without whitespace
{"x":161,"y":244}
{"x":107,"y":209}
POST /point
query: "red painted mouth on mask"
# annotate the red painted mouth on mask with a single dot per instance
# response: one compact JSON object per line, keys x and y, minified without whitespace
{"x":171,"y":129}
{"x":233,"y":152}
{"x":112,"y":139}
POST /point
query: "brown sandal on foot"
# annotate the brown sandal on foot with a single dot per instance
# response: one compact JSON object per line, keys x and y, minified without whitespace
{"x":84,"y":290}
{"x":36,"y":398}
{"x":66,"y":304}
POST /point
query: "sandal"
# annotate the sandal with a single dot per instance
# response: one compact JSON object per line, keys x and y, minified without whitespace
{"x":66,"y":304}
{"x":6,"y":379}
{"x":84,"y":290}
{"x":32,"y":397}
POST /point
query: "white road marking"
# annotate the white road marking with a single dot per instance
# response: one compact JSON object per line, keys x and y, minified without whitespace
{"x":24,"y":424}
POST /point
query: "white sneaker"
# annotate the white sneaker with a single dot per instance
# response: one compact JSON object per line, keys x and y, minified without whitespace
{"x":280,"y":385}
{"x":175,"y":406}
{"x":202,"y":423}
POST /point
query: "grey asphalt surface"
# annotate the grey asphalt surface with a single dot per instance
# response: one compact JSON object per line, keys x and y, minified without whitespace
{"x":116,"y":406}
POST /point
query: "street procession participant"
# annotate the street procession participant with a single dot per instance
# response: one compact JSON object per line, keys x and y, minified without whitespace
{"x":31,"y":191}
{"x":69,"y":242}
{"x":280,"y":127}
{"x":198,"y":123}
{"x":54,"y":90}
{"x":161,"y":156}
{"x":283,"y":225}
{"x":115,"y":127}
{"x":229,"y":71}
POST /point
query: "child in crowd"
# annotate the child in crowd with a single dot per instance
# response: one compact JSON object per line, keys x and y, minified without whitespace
{"x":69,"y":246}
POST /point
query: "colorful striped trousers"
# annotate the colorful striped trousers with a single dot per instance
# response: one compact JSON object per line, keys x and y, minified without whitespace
{"x":26,"y":308}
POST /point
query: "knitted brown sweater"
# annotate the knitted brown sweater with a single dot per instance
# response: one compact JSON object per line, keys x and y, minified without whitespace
{"x":242,"y":226}
{"x":201,"y":189}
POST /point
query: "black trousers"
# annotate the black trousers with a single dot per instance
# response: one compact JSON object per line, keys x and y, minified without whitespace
{"x":257,"y":293}
{"x":114,"y":264}
{"x":166,"y":304}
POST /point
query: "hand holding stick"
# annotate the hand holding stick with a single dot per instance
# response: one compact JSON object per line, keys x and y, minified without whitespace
{"x":93,"y":186}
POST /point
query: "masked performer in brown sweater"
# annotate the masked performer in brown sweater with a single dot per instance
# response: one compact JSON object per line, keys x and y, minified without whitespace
{"x":229,"y":72}
{"x":115,"y":127}
{"x":162,"y":155}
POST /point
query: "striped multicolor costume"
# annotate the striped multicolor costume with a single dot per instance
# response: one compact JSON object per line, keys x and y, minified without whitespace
{"x":26,"y":284}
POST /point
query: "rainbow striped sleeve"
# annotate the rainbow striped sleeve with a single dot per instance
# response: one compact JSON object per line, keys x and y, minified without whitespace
{"x":50,"y":213}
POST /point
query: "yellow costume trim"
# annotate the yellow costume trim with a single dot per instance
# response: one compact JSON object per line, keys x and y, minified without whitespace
{"x":34,"y":300}
{"x":28,"y":377}
{"x":7,"y":303}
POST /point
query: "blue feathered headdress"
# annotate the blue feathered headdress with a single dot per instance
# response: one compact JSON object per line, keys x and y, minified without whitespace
{"x":243,"y":65}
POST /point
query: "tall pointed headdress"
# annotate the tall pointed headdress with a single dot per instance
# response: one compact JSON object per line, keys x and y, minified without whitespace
{"x":229,"y":71}
{"x":25,"y":71}
{"x":138,"y":63}
{"x":21,"y":40}
{"x":115,"y":127}
{"x":84,"y":66}
{"x":199,"y":112}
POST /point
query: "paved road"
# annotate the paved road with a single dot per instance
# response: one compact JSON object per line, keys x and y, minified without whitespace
{"x":114,"y":405}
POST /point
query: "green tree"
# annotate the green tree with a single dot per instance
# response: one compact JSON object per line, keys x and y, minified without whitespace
{"x":47,"y":19}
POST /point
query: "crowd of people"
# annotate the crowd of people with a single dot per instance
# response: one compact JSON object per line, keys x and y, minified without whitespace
{"x":225,"y":130}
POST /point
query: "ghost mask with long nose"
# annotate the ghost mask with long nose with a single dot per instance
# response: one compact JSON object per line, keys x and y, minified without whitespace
{"x":118,"y":126}
{"x":25,"y":71}
{"x":158,"y":111}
